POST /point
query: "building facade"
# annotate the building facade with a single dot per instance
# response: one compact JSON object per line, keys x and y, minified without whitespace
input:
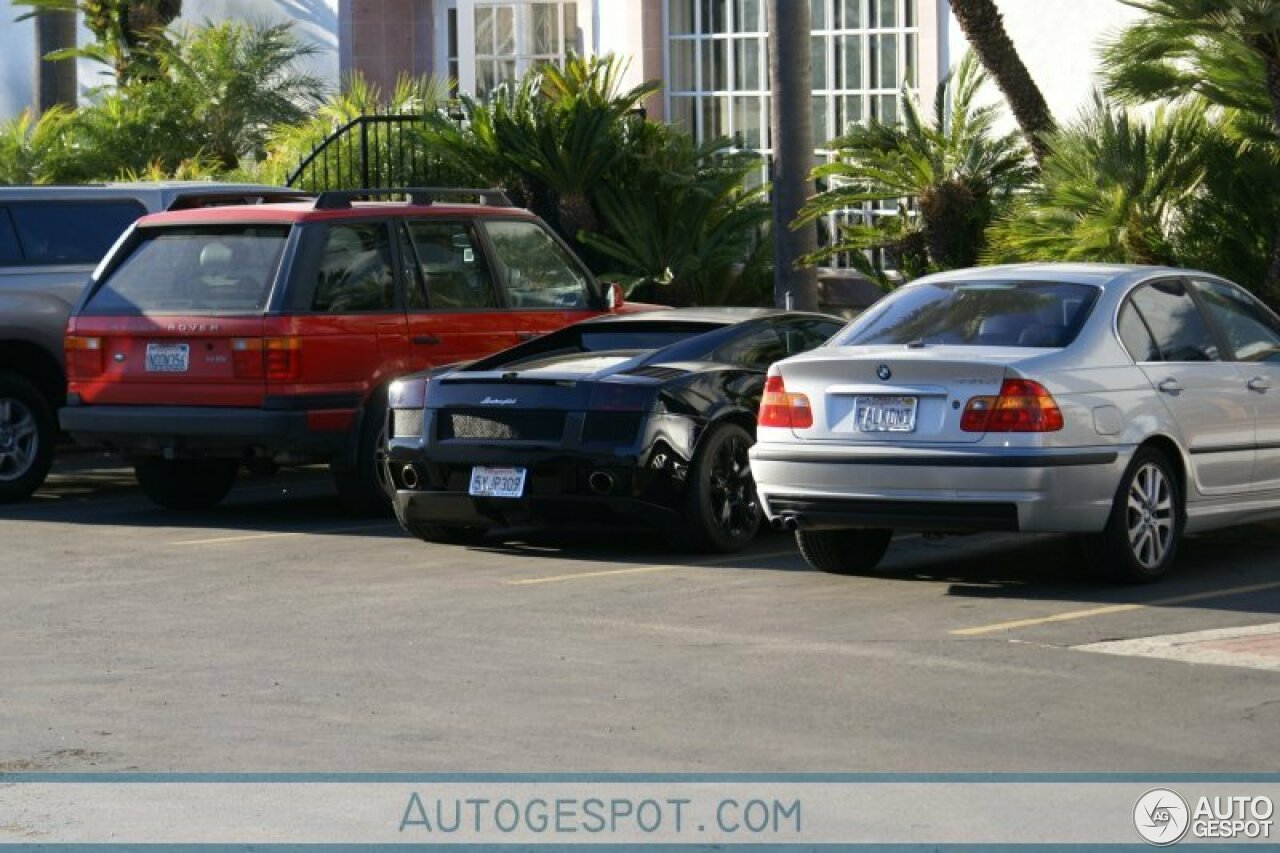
{"x":710,"y":54}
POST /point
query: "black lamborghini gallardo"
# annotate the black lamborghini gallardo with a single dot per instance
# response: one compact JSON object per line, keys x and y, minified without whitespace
{"x":641,"y":419}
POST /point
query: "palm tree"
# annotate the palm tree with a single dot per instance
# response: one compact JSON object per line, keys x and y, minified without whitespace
{"x":955,"y":167}
{"x":1114,"y":188}
{"x":549,"y":139}
{"x":790,"y":82}
{"x":238,"y":81}
{"x":983,"y":27}
{"x":126,"y":31}
{"x":34,"y":149}
{"x":681,"y":220}
{"x":1224,"y":51}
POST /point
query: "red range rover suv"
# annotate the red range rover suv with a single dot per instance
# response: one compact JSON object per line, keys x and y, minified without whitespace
{"x":267,"y":334}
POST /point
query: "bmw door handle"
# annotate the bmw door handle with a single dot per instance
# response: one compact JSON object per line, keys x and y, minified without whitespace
{"x":1259,"y":384}
{"x":1170,"y":386}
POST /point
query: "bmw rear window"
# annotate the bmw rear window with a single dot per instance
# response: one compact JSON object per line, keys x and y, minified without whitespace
{"x":221,"y":269}
{"x":974,"y":313}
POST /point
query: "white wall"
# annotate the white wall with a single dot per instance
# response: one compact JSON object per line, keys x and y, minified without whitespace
{"x":1058,"y":40}
{"x":315,"y":20}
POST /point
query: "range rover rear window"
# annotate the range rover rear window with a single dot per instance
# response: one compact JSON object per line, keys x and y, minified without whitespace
{"x":223,"y":269}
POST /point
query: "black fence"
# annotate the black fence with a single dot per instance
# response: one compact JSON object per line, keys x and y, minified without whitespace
{"x":375,"y":151}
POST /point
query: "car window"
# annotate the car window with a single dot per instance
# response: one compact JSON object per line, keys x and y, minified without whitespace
{"x":758,"y":348}
{"x":536,"y":270}
{"x":1180,"y":331}
{"x":978,"y":313}
{"x":196,"y":269}
{"x":1135,"y":335}
{"x":1253,"y":331}
{"x":355,"y":271}
{"x":71,"y":233}
{"x":10,"y":252}
{"x":803,"y":335}
{"x":415,"y":295}
{"x":454,"y":272}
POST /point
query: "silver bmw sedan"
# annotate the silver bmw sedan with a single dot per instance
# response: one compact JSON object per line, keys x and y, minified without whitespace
{"x":1128,"y":404}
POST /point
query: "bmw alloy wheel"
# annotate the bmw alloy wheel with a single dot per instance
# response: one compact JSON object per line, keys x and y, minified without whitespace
{"x":1151,"y":516}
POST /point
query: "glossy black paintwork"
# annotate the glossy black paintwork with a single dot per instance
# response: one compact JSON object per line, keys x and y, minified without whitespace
{"x":687,"y":388}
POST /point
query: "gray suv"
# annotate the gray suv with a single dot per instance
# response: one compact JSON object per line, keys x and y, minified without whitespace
{"x":51,"y":238}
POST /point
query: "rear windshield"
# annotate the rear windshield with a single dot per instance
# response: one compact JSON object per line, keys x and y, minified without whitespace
{"x":993,"y":314}
{"x":194,"y":270}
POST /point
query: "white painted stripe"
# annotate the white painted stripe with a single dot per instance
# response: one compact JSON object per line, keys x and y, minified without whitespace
{"x":1189,"y":647}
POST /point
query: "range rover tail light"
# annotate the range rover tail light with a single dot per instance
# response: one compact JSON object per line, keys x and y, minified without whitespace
{"x":273,"y":359}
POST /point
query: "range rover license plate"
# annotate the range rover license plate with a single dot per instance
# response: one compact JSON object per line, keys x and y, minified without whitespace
{"x":168,"y":358}
{"x":497,"y":482}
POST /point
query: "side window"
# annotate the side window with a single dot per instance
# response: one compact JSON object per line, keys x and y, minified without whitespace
{"x":10,"y":251}
{"x":355,"y":270}
{"x":453,"y":268}
{"x":415,"y":294}
{"x":79,"y":233}
{"x":1135,"y":335}
{"x":536,"y":270}
{"x":758,"y":348}
{"x":1253,"y":331}
{"x":1180,"y":331}
{"x":804,"y":335}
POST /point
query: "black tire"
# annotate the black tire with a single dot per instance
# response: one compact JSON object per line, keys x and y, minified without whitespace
{"x":1140,"y":541}
{"x":27,"y":435}
{"x":843,"y":552}
{"x":444,"y":534}
{"x":721,"y":507}
{"x":366,"y":489}
{"x":185,"y":484}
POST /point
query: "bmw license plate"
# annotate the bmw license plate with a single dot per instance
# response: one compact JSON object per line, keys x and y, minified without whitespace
{"x":168,"y":358}
{"x":497,"y":482}
{"x":885,"y":414}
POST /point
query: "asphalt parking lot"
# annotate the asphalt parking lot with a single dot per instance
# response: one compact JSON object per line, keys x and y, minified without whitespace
{"x":276,"y":634}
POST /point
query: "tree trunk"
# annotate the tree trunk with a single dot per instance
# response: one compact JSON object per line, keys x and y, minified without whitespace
{"x":983,"y":26}
{"x":1270,"y":291}
{"x":55,"y":80}
{"x":790,"y":79}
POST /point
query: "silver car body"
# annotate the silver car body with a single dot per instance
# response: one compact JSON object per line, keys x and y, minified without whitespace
{"x":1216,"y":419}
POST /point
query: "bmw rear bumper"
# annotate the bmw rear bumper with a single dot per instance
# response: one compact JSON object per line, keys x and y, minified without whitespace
{"x":946,"y":490}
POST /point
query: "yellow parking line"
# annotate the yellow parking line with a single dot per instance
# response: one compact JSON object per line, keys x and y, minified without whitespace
{"x":636,"y":570}
{"x":219,"y":540}
{"x":1073,"y":615}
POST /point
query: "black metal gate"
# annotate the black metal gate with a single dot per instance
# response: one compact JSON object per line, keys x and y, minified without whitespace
{"x":375,"y":151}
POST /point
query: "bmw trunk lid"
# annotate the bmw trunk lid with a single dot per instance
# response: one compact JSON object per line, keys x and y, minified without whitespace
{"x":892,"y":395}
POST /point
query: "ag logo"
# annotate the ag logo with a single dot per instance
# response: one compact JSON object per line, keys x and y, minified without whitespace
{"x":884,"y":373}
{"x":1161,"y":816}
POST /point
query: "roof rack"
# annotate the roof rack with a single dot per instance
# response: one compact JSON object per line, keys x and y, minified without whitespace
{"x":340,"y":199}
{"x":185,"y":200}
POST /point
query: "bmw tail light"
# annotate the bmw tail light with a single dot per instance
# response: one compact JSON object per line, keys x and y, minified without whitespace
{"x":778,"y":408}
{"x":1023,"y":406}
{"x":84,"y":356}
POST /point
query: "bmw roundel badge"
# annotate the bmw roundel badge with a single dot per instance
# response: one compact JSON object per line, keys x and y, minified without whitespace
{"x":884,"y":373}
